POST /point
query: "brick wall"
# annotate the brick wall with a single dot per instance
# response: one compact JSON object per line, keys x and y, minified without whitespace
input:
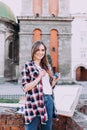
{"x":60,"y":124}
{"x":11,"y":121}
{"x":66,"y":123}
{"x":77,"y":122}
{"x":14,"y":121}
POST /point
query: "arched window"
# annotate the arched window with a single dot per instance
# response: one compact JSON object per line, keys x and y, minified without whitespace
{"x":37,"y":35}
{"x":37,"y":7}
{"x":54,"y":49}
{"x":53,"y":7}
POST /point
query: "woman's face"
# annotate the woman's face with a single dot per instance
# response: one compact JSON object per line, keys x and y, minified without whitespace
{"x":39,"y":54}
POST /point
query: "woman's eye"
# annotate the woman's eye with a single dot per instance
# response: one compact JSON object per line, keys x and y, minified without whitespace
{"x":43,"y":50}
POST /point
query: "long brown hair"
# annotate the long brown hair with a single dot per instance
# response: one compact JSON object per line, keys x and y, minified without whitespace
{"x":44,"y":61}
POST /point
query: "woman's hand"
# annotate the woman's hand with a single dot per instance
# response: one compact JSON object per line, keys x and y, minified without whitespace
{"x":32,"y":84}
{"x":54,"y":81}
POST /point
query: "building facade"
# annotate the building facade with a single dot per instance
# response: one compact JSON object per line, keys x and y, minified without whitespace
{"x":47,"y":20}
{"x":79,"y":47}
{"x":51,"y":22}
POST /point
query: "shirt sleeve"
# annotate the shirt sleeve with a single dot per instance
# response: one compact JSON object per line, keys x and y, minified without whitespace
{"x":26,"y":77}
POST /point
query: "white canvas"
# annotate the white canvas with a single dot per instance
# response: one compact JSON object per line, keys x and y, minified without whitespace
{"x":66,"y":99}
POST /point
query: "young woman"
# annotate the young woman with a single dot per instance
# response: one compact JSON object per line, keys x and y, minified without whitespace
{"x":38,"y":90}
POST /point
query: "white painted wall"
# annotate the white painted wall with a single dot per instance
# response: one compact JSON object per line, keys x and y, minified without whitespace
{"x":79,"y":44}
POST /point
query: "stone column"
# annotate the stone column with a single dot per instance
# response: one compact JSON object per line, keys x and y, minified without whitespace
{"x":24,"y":51}
{"x":2,"y":55}
{"x":45,"y":7}
{"x":65,"y":56}
{"x":46,"y":40}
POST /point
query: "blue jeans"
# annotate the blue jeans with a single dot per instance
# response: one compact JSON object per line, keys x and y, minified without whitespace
{"x":48,"y":126}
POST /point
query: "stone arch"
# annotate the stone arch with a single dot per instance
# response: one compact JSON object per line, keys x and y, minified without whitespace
{"x":54,"y":7}
{"x":37,"y":35}
{"x":81,"y":72}
{"x":54,"y":48}
{"x":9,"y":71}
{"x":37,"y":7}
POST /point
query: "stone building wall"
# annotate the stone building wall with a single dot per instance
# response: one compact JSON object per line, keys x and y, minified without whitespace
{"x":45,"y":24}
{"x":45,"y":21}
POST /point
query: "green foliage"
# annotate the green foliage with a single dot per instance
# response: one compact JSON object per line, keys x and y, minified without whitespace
{"x":9,"y":100}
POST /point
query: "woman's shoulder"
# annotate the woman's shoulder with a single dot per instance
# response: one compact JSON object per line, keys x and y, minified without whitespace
{"x":29,"y":63}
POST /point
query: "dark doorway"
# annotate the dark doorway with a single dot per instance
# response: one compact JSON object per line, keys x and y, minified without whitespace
{"x":81,"y":74}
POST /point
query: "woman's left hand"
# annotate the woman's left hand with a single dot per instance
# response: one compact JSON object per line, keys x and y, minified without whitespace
{"x":54,"y":81}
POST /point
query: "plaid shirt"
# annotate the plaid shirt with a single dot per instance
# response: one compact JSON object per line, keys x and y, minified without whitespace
{"x":34,"y":105}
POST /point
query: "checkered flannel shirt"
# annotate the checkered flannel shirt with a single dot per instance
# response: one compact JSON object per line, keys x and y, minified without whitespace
{"x":34,"y":105}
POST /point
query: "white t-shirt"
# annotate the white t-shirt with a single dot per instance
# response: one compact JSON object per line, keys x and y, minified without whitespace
{"x":47,"y":88}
